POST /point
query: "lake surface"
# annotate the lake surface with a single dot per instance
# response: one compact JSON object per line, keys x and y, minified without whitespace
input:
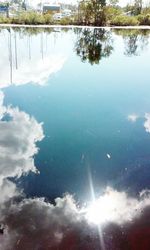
{"x":75,"y":118}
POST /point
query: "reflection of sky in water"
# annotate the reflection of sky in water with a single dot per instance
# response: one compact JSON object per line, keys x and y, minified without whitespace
{"x":85,"y":117}
{"x":96,"y":122}
{"x":29,"y":56}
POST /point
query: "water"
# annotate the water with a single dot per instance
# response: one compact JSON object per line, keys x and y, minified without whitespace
{"x":90,"y":89}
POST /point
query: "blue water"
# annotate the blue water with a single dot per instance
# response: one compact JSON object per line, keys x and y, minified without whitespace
{"x":84,"y":106}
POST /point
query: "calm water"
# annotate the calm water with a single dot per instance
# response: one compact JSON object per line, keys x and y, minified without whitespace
{"x":88,"y":93}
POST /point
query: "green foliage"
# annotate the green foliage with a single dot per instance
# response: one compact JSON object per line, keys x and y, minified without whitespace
{"x":144,"y":19}
{"x":111,"y":13}
{"x":137,"y":7}
{"x":145,"y":10}
{"x":113,"y":2}
{"x":123,"y":20}
{"x":48,"y":19}
{"x":3,"y":3}
{"x":66,"y":21}
{"x":31,"y":18}
{"x":28,"y":18}
{"x":4,"y":19}
{"x":129,"y":8}
{"x":92,"y":12}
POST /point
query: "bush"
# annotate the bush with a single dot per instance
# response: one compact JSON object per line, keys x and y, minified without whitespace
{"x":4,"y":19}
{"x":144,"y":19}
{"x":124,"y":21}
{"x":31,"y":18}
{"x":16,"y":20}
{"x":65,"y":21}
{"x":28,"y":18}
{"x":111,"y":13}
{"x":48,"y":19}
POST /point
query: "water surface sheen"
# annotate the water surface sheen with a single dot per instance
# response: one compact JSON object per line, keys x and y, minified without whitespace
{"x":74,"y":122}
{"x":90,"y":88}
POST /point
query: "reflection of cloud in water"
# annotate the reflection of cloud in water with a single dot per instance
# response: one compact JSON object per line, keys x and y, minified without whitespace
{"x":28,"y":60}
{"x":37,"y":72}
{"x":37,"y":224}
{"x":40,"y":72}
{"x":17,"y":143}
{"x":116,"y":207}
{"x":133,"y":117}
{"x":18,"y":137}
{"x":147,"y":122}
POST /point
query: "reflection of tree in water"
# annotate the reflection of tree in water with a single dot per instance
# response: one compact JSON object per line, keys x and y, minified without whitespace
{"x":93,"y":44}
{"x":32,"y":31}
{"x":135,"y":40}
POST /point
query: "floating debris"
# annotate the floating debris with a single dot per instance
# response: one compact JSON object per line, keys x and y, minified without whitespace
{"x":108,"y":156}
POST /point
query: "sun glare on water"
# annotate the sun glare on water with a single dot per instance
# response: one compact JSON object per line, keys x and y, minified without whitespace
{"x":104,"y":209}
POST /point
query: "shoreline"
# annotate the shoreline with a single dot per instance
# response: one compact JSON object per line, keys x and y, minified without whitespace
{"x":73,"y":26}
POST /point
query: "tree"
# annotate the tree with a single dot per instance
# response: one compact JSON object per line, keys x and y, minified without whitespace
{"x":137,"y":7}
{"x":17,"y":1}
{"x":85,"y":12}
{"x":113,"y":2}
{"x":92,"y":11}
{"x":98,"y":7}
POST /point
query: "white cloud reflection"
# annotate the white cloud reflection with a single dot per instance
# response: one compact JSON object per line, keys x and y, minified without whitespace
{"x":116,"y":207}
{"x":133,"y":117}
{"x":37,"y":72}
{"x":17,"y":143}
{"x":37,"y":224}
{"x":32,"y":59}
{"x":18,"y":136}
{"x":147,"y":122}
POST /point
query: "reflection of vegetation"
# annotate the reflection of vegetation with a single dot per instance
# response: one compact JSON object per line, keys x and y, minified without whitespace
{"x":35,"y":31}
{"x":93,"y":44}
{"x":135,"y":40}
{"x":28,"y":31}
{"x":129,"y":32}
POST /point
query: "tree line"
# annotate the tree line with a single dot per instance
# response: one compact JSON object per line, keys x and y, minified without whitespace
{"x":88,"y":12}
{"x":100,"y":13}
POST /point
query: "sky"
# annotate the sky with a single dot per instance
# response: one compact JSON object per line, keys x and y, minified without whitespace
{"x":34,"y":2}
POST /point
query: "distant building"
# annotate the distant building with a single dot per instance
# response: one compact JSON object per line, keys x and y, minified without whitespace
{"x":49,"y":8}
{"x":66,"y":12}
{"x":4,"y":8}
